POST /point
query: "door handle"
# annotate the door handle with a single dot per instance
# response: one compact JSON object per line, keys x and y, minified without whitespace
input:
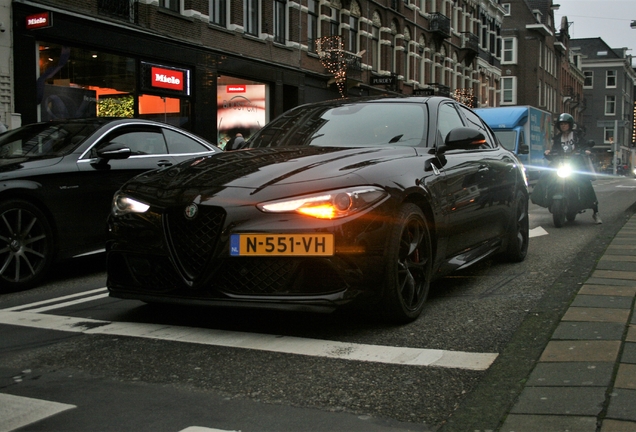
{"x":164,"y":163}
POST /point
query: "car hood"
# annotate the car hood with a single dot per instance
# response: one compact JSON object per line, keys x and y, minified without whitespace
{"x":26,"y":163}
{"x":264,"y":172}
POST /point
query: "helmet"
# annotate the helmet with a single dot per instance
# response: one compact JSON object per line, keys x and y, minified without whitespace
{"x":566,"y":118}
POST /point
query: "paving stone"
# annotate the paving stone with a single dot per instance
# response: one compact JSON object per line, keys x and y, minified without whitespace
{"x":622,"y":405}
{"x":581,"y":351}
{"x":626,"y":377}
{"x":571,"y":374}
{"x":629,"y":353}
{"x":618,"y":426}
{"x":614,"y":274}
{"x":631,"y":332}
{"x":582,"y":401}
{"x":611,"y":290}
{"x":534,"y":423}
{"x":589,"y":330}
{"x":598,"y":301}
{"x":596,"y":314}
{"x":621,"y":266}
{"x":625,"y":258}
{"x":614,"y":282}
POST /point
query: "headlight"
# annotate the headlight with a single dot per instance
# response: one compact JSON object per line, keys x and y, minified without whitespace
{"x":328,"y":205}
{"x":564,"y":170}
{"x":123,"y":204}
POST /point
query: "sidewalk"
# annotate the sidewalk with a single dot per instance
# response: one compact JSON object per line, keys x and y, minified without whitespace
{"x":585,"y":380}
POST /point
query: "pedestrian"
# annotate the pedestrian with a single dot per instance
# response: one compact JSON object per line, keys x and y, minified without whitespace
{"x":235,"y":143}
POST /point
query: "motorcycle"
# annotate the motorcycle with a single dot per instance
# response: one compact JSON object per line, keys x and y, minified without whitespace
{"x":561,"y":190}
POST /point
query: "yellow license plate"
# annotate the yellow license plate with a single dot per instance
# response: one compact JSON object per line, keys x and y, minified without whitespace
{"x":281,"y":244}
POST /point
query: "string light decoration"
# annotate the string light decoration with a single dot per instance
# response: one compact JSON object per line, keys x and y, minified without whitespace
{"x":330,"y":49}
{"x":465,"y":96}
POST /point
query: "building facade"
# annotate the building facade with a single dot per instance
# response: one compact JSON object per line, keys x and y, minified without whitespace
{"x":537,"y":68}
{"x":218,"y":67}
{"x":609,"y":93}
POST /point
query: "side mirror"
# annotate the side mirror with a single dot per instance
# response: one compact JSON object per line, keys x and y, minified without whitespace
{"x":463,"y":138}
{"x":114,"y":151}
{"x":524,"y":149}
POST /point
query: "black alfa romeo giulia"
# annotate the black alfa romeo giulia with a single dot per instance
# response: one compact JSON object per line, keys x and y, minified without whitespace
{"x":365,"y":200}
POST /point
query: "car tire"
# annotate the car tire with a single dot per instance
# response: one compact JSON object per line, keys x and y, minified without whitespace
{"x":26,"y":245}
{"x":519,"y":231}
{"x":408,"y":266}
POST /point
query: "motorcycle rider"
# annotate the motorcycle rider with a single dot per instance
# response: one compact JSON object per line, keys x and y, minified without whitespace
{"x":567,"y":140}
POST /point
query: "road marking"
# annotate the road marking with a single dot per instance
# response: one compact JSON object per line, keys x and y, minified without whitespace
{"x":537,"y":232}
{"x":255,"y":341}
{"x":55,"y":300}
{"x":203,"y":429}
{"x":18,"y":411}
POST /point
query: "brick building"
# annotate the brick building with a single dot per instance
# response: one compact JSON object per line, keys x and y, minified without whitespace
{"x":220,"y":66}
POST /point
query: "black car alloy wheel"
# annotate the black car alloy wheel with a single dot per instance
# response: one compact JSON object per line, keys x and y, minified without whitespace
{"x":25,"y":244}
{"x":409,"y":266}
{"x":519,"y":234}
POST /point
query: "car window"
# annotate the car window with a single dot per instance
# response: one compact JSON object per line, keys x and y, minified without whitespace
{"x":474,"y":121}
{"x":140,"y":140}
{"x":179,"y":143}
{"x":44,"y":139}
{"x":447,"y":120}
{"x":349,"y":125}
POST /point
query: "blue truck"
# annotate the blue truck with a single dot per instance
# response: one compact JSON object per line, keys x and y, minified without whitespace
{"x":524,"y":130}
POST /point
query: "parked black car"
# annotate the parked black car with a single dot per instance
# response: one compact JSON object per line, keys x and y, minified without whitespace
{"x":332,"y":202}
{"x":57,"y":181}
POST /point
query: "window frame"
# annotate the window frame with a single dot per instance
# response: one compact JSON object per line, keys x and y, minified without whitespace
{"x":610,"y":102}
{"x":512,"y":90}
{"x":512,"y":50}
{"x":591,"y":78}
{"x":218,"y":12}
{"x":251,"y":17}
{"x":610,"y":75}
{"x":280,"y":21}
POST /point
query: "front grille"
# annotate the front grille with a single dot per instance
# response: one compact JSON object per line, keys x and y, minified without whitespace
{"x":192,"y":241}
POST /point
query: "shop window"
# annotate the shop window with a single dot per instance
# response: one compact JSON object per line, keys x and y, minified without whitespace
{"x":242,"y":107}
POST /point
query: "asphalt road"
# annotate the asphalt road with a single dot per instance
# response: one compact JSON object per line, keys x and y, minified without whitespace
{"x":131,"y":379}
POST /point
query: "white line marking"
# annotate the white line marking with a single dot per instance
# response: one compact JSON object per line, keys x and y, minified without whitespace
{"x":537,"y":232}
{"x":69,"y":303}
{"x":255,"y":341}
{"x":57,"y":299}
{"x":18,"y":411}
{"x":204,"y":429}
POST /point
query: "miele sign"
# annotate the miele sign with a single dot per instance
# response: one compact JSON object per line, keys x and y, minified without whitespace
{"x":39,"y":20}
{"x":171,"y":79}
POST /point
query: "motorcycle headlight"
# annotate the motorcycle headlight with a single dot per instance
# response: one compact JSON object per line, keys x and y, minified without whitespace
{"x":123,"y":204}
{"x":328,"y":205}
{"x":564,"y":170}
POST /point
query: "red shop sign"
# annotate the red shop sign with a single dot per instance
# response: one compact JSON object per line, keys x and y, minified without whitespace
{"x":236,"y":88}
{"x":167,"y":78}
{"x":39,"y":20}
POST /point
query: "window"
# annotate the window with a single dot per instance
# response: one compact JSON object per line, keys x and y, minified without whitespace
{"x":280,"y":13}
{"x":173,"y":5}
{"x":448,"y":119}
{"x":610,"y":105}
{"x":251,"y":11}
{"x":312,"y":24}
{"x":508,"y":90}
{"x":334,"y":24}
{"x":588,"y":79}
{"x":608,"y":135}
{"x":509,"y":54}
{"x":610,"y":79}
{"x":217,"y":12}
{"x":375,"y":47}
{"x":506,"y":7}
{"x":352,"y":43}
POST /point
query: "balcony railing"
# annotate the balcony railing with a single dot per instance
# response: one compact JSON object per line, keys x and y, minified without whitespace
{"x":471,"y":42}
{"x":121,"y":9}
{"x":440,"y":24}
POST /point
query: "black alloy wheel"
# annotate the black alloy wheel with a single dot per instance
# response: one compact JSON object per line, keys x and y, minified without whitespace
{"x":409,"y":266}
{"x":26,"y":245}
{"x":519,"y":231}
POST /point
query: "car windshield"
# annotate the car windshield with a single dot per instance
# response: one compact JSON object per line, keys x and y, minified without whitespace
{"x":349,"y":125}
{"x":44,"y":139}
